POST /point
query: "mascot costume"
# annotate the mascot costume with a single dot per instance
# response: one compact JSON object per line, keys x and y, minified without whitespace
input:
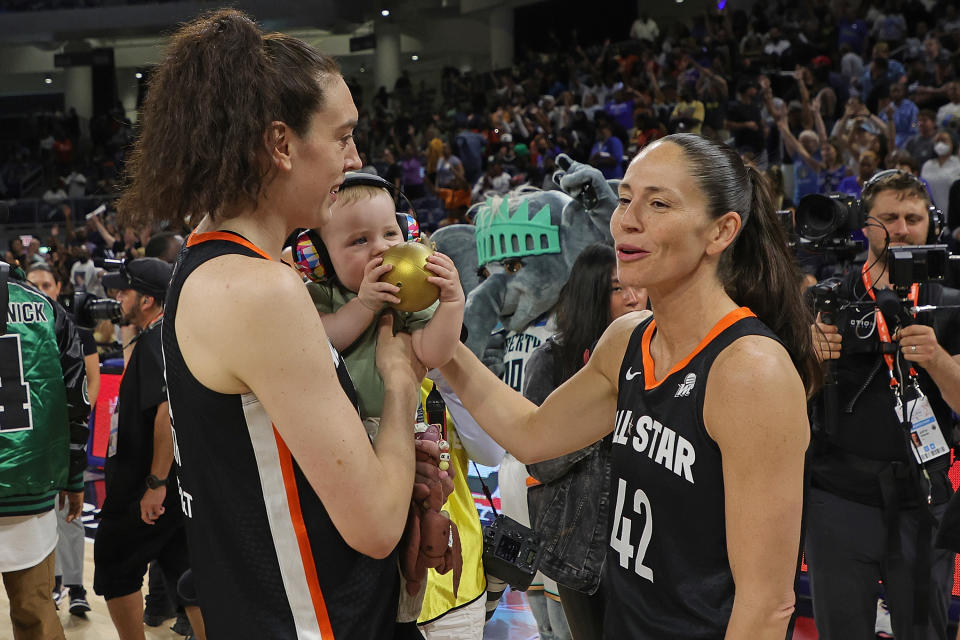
{"x":522,"y":246}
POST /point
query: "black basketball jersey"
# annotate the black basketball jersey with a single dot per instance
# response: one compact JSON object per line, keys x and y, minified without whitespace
{"x":267,"y":559}
{"x":667,"y":570}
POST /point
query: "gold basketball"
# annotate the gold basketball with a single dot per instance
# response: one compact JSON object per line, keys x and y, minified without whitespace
{"x":409,"y":272}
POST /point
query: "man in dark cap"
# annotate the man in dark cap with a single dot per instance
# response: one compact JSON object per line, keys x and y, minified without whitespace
{"x":141,"y":518}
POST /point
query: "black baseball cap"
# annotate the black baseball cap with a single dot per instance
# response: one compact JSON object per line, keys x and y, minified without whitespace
{"x":149,"y":276}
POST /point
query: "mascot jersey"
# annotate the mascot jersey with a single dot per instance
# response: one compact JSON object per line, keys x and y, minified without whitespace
{"x":267,"y":559}
{"x":667,"y":570}
{"x":513,"y":476}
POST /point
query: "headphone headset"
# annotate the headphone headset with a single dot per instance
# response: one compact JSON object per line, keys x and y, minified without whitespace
{"x":936,"y":226}
{"x":310,"y":255}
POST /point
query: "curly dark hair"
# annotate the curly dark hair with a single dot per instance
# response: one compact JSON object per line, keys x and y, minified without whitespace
{"x":201,"y":148}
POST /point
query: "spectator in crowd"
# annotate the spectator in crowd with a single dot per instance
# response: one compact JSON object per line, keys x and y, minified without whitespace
{"x":851,"y":64}
{"x":689,"y":113}
{"x":607,"y":153}
{"x":830,"y":168}
{"x":949,"y":114}
{"x":449,"y":167}
{"x":902,"y":111}
{"x":746,"y":123}
{"x":852,"y":185}
{"x":494,"y":182}
{"x":882,"y":71}
{"x":413,"y":173}
{"x":941,"y":172}
{"x":921,"y":144}
{"x":164,"y":245}
{"x":392,"y":170}
{"x":84,"y":275}
{"x":470,"y":146}
{"x":644,"y":28}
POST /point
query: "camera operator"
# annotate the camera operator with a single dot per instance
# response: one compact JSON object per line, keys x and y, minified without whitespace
{"x":141,"y":518}
{"x":873,"y":509}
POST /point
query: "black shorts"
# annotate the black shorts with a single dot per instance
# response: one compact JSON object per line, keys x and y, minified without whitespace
{"x":125,"y":545}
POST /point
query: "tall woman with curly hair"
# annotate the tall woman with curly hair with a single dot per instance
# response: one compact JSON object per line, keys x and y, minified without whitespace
{"x":293,"y":516}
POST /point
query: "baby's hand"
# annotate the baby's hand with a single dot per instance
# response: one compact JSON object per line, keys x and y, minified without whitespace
{"x":446,"y":277}
{"x":373,"y":294}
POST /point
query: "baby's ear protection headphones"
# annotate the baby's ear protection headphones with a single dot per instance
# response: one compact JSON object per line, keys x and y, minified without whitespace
{"x":936,"y":227}
{"x":310,"y":254}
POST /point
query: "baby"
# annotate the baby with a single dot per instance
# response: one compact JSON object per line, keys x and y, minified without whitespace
{"x":363,"y":225}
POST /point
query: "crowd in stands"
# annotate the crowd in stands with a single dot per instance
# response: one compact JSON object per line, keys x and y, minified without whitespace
{"x":819,"y":95}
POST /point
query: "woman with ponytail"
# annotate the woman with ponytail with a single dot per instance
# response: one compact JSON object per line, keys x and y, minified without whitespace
{"x":293,"y":517}
{"x":706,"y":403}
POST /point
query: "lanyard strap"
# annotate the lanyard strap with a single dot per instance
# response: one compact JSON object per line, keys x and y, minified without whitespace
{"x":883,"y":332}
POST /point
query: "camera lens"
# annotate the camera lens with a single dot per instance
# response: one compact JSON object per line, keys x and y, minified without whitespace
{"x":819,"y":216}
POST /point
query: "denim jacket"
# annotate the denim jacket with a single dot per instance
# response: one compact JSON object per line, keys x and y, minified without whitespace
{"x":569,"y":509}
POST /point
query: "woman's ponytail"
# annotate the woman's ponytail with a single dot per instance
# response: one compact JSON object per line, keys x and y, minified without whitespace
{"x":758,"y":270}
{"x":762,"y":274}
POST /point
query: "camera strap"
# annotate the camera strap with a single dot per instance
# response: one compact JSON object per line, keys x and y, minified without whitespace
{"x":486,"y":491}
{"x":883,"y":332}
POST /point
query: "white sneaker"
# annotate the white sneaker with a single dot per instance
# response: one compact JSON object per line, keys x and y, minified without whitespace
{"x":882,"y":627}
{"x":59,"y":595}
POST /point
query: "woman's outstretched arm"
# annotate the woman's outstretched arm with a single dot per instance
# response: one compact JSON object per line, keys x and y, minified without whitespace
{"x":581,"y":411}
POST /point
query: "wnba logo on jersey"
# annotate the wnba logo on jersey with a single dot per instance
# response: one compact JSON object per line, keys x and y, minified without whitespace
{"x":685,"y":387}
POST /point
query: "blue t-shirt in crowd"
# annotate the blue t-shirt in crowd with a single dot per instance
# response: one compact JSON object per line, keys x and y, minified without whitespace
{"x":614,"y":147}
{"x":850,"y":186}
{"x":622,"y":113}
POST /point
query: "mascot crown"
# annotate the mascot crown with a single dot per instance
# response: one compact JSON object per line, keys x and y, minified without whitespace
{"x":502,"y":235}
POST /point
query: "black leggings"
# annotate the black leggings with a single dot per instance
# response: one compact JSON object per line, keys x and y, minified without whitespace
{"x":584,"y":612}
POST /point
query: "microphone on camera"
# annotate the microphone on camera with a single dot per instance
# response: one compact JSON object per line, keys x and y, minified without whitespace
{"x":892,"y":309}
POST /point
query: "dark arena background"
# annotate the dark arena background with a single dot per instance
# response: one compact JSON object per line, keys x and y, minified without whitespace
{"x":876,"y":81}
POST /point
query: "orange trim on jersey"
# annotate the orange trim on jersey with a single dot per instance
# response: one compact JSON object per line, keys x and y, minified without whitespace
{"x":532,"y":482}
{"x":649,"y":380}
{"x":303,"y":541}
{"x":197,"y":238}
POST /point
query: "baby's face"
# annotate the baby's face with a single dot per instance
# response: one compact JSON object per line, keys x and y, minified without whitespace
{"x":359,"y":232}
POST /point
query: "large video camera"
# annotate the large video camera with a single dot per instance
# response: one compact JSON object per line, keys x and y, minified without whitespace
{"x":825,"y":223}
{"x":88,"y":309}
{"x":905,"y":266}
